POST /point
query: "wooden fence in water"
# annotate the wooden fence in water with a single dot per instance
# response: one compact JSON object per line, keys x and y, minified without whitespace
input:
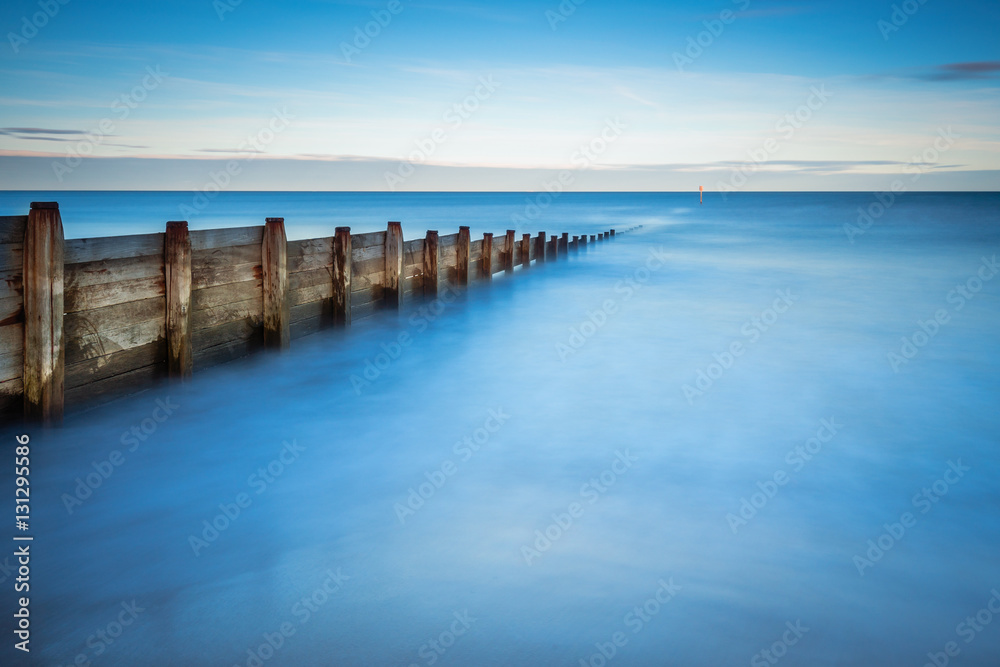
{"x":85,"y":320}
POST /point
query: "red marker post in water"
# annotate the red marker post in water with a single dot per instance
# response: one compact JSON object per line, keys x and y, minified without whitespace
{"x":701,"y":194}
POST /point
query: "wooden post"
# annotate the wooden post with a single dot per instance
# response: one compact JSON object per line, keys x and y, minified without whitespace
{"x":583,"y":240}
{"x":462,"y":248}
{"x":486,"y":264}
{"x":342,"y":277}
{"x":564,"y":243}
{"x":274,"y":259}
{"x":509,"y":252}
{"x":44,"y":346}
{"x":607,"y":234}
{"x":540,"y":248}
{"x":575,"y":243}
{"x":553,"y":248}
{"x":526,"y":250}
{"x":431,"y":264}
{"x":593,"y":238}
{"x":177,"y":275}
{"x":394,"y":265}
{"x":612,"y":232}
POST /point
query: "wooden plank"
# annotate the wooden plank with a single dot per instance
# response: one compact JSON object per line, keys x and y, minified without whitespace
{"x":309,"y":294}
{"x":113,"y":270}
{"x":11,"y":284}
{"x":361,"y":241}
{"x":342,"y":277}
{"x":413,"y":284}
{"x":86,"y":322}
{"x":115,"y":363}
{"x":11,"y":256}
{"x":366,"y":283}
{"x":431,"y":261}
{"x":205,"y":277}
{"x":99,"y":296}
{"x":274,"y":256}
{"x":12,"y":388}
{"x":462,"y":256}
{"x":305,"y":327}
{"x":251,"y":309}
{"x":12,"y":228}
{"x":11,"y":365}
{"x":368,"y":267}
{"x":207,"y":239}
{"x":226,"y":352}
{"x":223,"y":334}
{"x":44,"y":349}
{"x":510,"y":251}
{"x":310,"y":254}
{"x":221,"y":295}
{"x":447,"y":241}
{"x":115,"y":386}
{"x":361,"y":311}
{"x":178,"y":278}
{"x":79,"y":251}
{"x":371,"y":252}
{"x":393,"y":265}
{"x":218,"y":258}
{"x":106,"y":341}
{"x":475,"y":250}
{"x":368,"y":296}
{"x":320,"y":311}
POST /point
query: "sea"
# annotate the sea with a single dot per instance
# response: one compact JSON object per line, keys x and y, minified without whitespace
{"x":763,"y":429}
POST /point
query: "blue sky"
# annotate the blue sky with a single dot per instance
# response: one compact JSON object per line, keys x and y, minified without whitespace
{"x":484,"y":96}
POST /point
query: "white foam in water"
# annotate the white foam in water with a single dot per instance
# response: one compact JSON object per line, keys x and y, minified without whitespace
{"x":726,"y":464}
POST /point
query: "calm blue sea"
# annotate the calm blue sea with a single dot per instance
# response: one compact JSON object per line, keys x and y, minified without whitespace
{"x":742,"y":435}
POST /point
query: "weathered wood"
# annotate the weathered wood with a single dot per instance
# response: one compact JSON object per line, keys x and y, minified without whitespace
{"x":360,"y":241}
{"x":564,"y":243}
{"x":44,"y":349}
{"x":553,"y":249}
{"x":540,"y":248}
{"x":310,"y":254}
{"x":393,"y":265}
{"x":612,"y":232}
{"x":109,"y":294}
{"x":79,"y":251}
{"x":11,"y":256}
{"x":369,"y":253}
{"x":486,"y":262}
{"x":108,"y":271}
{"x":212,"y":297}
{"x":583,"y":240}
{"x":575,"y":243}
{"x":12,"y":228}
{"x":226,"y":334}
{"x":115,"y":386}
{"x":431,"y":250}
{"x":208,"y":239}
{"x":447,"y":241}
{"x":462,"y":256}
{"x":607,"y":235}
{"x":307,"y":279}
{"x":508,"y":251}
{"x":177,"y":277}
{"x":230,"y":351}
{"x":251,"y":310}
{"x":342,"y":277}
{"x":274,"y":261}
{"x":115,"y":363}
{"x":526,"y":250}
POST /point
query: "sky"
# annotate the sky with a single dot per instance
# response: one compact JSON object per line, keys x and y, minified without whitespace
{"x":403,"y":95}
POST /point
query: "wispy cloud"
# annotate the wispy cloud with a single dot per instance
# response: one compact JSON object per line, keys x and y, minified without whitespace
{"x":988,"y":69}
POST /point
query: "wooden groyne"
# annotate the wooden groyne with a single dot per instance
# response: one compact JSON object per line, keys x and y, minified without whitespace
{"x":86,"y":320}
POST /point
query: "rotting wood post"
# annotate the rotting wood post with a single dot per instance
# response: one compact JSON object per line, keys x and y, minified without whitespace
{"x":44,"y":345}
{"x":564,"y":243}
{"x":508,"y":248}
{"x":583,"y":240}
{"x":612,"y":232}
{"x":553,"y":248}
{"x":394,"y":266}
{"x":593,"y":238}
{"x":274,"y":259}
{"x":177,"y":278}
{"x":526,"y":250}
{"x":487,"y":261}
{"x":607,"y":235}
{"x":540,"y":248}
{"x":462,"y":248}
{"x":431,"y":264}
{"x":575,"y":243}
{"x":342,"y":277}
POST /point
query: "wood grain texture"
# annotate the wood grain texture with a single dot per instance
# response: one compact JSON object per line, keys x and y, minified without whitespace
{"x":44,"y":343}
{"x":274,"y":255}
{"x":462,"y":256}
{"x":80,"y":251}
{"x":177,"y":258}
{"x":342,"y":262}
{"x":431,"y":255}
{"x":393,"y":266}
{"x":208,"y":239}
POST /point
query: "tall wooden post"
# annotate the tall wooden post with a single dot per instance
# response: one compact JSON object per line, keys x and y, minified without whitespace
{"x":177,"y":275}
{"x":564,"y":243}
{"x":574,"y":245}
{"x":431,"y":254}
{"x":540,"y":248}
{"x":583,"y":240}
{"x":553,"y":248}
{"x":44,"y":346}
{"x":342,"y":277}
{"x":526,"y":250}
{"x":593,"y":238}
{"x":274,"y":259}
{"x":394,"y":265}
{"x":462,"y":248}
{"x":607,"y":234}
{"x":486,"y":264}
{"x":509,"y":252}
{"x":612,"y":232}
